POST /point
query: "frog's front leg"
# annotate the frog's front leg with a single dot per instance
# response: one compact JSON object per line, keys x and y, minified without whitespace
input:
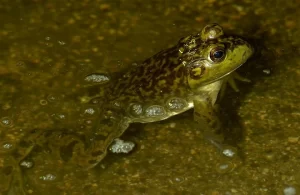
{"x":206,"y":116}
{"x":231,"y":81}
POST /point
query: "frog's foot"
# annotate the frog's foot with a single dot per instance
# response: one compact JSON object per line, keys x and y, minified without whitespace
{"x":217,"y":140}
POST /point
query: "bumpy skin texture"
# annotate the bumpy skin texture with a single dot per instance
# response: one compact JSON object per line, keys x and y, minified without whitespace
{"x":187,"y":75}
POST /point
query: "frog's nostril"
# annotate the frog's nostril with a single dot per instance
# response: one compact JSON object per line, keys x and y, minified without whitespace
{"x":244,"y":55}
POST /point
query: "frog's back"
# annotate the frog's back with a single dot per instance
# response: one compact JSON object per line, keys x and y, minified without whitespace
{"x":154,"y":90}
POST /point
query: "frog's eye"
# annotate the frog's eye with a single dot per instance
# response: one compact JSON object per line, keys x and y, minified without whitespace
{"x":217,"y":54}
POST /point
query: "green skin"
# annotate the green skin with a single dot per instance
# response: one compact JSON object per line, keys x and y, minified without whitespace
{"x":188,"y":75}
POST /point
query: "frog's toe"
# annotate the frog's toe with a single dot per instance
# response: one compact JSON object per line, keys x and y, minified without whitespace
{"x":231,"y":81}
{"x":235,"y":76}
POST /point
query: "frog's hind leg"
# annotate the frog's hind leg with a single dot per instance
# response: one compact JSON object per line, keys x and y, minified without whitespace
{"x":14,"y":169}
{"x":90,"y":154}
{"x":17,"y":183}
{"x":206,"y":115}
{"x":13,"y":176}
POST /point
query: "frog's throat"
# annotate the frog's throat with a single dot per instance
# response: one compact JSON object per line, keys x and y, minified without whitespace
{"x":214,"y":80}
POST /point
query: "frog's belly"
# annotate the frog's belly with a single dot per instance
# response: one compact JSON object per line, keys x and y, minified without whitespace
{"x":174,"y":105}
{"x":157,"y":113}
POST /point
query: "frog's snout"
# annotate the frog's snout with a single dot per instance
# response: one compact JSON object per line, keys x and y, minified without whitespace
{"x":245,"y":55}
{"x":248,"y":53}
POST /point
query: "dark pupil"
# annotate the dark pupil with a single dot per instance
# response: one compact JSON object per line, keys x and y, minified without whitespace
{"x":218,"y":54}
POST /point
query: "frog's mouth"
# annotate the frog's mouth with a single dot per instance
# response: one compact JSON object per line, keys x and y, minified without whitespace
{"x":245,"y":57}
{"x":228,"y":73}
{"x":221,"y":77}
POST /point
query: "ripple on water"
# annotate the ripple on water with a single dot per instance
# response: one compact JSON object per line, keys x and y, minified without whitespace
{"x":53,"y":98}
{"x":6,"y":122}
{"x":43,"y":102}
{"x":225,"y":167}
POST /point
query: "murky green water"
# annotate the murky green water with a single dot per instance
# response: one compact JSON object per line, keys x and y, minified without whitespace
{"x":48,"y":47}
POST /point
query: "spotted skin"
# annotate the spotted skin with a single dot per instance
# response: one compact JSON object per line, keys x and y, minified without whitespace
{"x":189,"y":74}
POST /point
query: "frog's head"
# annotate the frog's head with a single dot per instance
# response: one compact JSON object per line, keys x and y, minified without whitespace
{"x":211,"y":55}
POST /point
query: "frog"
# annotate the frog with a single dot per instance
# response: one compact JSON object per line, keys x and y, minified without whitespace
{"x":188,"y":75}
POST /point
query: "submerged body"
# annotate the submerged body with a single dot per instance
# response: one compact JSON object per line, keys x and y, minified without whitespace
{"x":188,"y":75}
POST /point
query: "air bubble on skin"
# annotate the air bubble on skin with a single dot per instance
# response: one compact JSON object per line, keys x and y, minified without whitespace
{"x":89,"y":111}
{"x":26,"y":164}
{"x":154,"y":111}
{"x":176,"y":104}
{"x":6,"y":122}
{"x":120,"y":146}
{"x":97,"y":78}
{"x":48,"y":177}
{"x":136,"y":109}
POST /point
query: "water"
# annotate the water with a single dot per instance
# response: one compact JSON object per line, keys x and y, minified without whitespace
{"x":48,"y":48}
